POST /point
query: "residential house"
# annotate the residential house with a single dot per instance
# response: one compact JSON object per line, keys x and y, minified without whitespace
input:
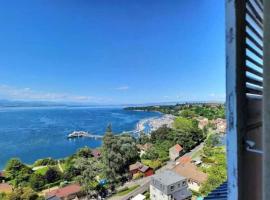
{"x":203,"y":122}
{"x":175,"y":152}
{"x":194,"y":176}
{"x":140,"y":168}
{"x":5,"y":188}
{"x":183,"y":160}
{"x":220,"y":125}
{"x":168,"y":185}
{"x":66,"y":193}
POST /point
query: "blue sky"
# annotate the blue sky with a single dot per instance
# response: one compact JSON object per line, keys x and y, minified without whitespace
{"x":112,"y":51}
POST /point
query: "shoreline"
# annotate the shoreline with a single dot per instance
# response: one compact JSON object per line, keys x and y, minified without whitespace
{"x":152,"y":124}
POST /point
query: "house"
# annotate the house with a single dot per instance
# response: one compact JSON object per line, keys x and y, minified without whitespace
{"x":96,"y":153}
{"x":194,"y":176}
{"x":175,"y":152}
{"x":5,"y":188}
{"x":220,"y":125}
{"x":169,"y":185}
{"x":140,"y":168}
{"x":183,"y":160}
{"x":66,"y":193}
{"x":203,"y":122}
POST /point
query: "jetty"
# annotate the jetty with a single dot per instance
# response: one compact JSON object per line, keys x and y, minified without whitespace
{"x":77,"y":134}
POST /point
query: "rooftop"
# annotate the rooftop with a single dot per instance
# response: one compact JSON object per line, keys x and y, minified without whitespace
{"x":65,"y":191}
{"x":168,"y":177}
{"x":190,"y":171}
{"x":177,"y":148}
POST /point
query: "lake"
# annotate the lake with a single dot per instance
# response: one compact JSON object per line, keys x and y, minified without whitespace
{"x":33,"y":133}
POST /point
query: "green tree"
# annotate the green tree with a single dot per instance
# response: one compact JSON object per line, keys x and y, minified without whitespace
{"x":23,"y":194}
{"x":52,"y":175}
{"x":18,"y":172}
{"x":118,"y":153}
{"x":89,"y":169}
{"x":37,"y":181}
{"x":84,"y":152}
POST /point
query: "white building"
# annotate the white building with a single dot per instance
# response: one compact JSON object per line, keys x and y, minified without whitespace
{"x":168,"y":185}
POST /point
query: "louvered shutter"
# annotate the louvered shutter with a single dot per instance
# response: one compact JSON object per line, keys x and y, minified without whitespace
{"x":244,"y":68}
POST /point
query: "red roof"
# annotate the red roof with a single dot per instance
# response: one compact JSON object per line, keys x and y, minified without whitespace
{"x":177,"y":148}
{"x":184,"y":159}
{"x":139,"y":166}
{"x":65,"y":191}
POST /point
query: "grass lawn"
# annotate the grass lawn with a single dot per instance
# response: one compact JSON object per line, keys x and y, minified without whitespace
{"x":127,"y":191}
{"x":42,"y":171}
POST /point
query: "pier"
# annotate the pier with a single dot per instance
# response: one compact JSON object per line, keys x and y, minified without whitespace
{"x":77,"y":134}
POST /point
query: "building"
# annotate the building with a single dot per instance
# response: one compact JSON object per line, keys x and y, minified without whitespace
{"x":203,"y":122}
{"x":169,"y":186}
{"x":175,"y":152}
{"x":66,"y":193}
{"x":220,"y":125}
{"x":191,"y":172}
{"x":5,"y":188}
{"x":140,"y":168}
{"x":183,"y":160}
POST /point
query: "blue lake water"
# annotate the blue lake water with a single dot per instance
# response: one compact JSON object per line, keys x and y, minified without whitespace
{"x":33,"y":133}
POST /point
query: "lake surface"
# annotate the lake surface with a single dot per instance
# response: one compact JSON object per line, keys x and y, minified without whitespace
{"x":33,"y":133}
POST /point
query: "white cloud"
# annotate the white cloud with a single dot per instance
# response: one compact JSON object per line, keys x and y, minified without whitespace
{"x":124,"y":87}
{"x":9,"y":92}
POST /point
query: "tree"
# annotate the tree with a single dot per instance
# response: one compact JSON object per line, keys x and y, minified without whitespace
{"x":212,"y":140}
{"x":118,"y":153}
{"x":84,"y":152}
{"x":217,"y":171}
{"x":23,"y":194}
{"x":160,"y":134}
{"x":18,"y":172}
{"x":89,"y":169}
{"x":37,"y":181}
{"x":52,"y":175}
{"x":45,"y":161}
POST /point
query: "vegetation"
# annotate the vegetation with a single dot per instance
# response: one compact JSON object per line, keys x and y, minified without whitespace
{"x":185,"y":132}
{"x":215,"y":158}
{"x":126,"y":190}
{"x":45,"y":162}
{"x":25,"y":193}
{"x":210,"y":111}
{"x":118,"y":153}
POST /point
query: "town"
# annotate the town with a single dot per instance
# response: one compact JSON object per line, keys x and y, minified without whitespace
{"x":185,"y":159}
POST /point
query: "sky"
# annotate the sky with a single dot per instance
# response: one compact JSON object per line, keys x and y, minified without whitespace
{"x":112,"y":51}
